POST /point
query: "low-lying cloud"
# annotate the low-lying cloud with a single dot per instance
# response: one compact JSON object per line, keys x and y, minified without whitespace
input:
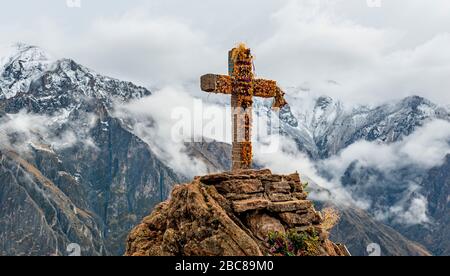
{"x":19,"y":132}
{"x":154,"y":118}
{"x":425,"y":148}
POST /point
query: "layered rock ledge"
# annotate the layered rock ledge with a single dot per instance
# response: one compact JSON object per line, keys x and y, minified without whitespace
{"x":245,"y":213}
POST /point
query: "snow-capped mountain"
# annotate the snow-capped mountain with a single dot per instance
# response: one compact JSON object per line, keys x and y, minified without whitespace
{"x":30,"y":79}
{"x":69,"y":171}
{"x":87,"y":172}
{"x":322,"y":126}
{"x":23,"y":64}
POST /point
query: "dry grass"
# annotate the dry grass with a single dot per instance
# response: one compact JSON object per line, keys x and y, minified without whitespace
{"x":330,"y":218}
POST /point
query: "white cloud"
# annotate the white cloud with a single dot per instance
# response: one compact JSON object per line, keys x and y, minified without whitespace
{"x":314,"y":44}
{"x":288,"y":159}
{"x":425,"y":148}
{"x":17,"y":131}
{"x":153,"y":120}
{"x":411,"y":210}
{"x":20,"y":131}
{"x":374,"y":54}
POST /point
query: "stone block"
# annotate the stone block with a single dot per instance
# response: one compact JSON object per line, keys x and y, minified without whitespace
{"x":246,"y":205}
{"x":289,"y":206}
{"x":240,"y":186}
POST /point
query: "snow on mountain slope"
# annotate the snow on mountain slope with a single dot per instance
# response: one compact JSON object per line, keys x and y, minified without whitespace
{"x":23,"y":64}
{"x":56,"y":115}
{"x":323,"y":126}
{"x":29,"y":77}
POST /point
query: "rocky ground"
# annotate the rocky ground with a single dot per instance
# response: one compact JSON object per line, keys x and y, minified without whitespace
{"x":245,"y":213}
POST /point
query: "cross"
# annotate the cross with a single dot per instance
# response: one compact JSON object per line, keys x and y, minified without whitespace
{"x":242,"y":85}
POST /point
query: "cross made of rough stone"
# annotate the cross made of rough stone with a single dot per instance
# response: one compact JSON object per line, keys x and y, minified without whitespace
{"x":242,"y":85}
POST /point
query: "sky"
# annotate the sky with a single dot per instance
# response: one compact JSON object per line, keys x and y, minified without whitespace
{"x":359,"y":51}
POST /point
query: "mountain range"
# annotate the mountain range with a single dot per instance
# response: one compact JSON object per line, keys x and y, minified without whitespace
{"x":73,"y":172}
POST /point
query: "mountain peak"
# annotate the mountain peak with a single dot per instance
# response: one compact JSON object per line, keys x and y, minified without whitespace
{"x":416,"y":101}
{"x":26,"y":53}
{"x":20,"y":66}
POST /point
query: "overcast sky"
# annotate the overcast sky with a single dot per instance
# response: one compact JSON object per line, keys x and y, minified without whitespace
{"x":371,"y":54}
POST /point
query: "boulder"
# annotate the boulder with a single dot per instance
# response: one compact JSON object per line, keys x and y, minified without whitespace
{"x":262,"y":225}
{"x":296,"y":219}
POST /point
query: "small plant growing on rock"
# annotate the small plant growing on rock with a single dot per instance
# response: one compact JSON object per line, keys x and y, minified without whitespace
{"x":305,"y":185}
{"x":280,"y":245}
{"x":294,"y":243}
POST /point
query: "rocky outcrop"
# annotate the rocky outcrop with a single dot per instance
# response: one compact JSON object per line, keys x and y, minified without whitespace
{"x":245,"y":213}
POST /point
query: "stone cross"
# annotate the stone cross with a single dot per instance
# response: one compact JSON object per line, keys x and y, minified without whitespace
{"x":242,"y":85}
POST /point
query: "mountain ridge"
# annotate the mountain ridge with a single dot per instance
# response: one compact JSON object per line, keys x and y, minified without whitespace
{"x":113,"y":174}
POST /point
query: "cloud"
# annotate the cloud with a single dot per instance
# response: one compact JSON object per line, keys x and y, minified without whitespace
{"x":169,"y":118}
{"x":155,"y":51}
{"x":159,"y":50}
{"x":415,"y":214}
{"x":411,"y":210}
{"x":20,"y":131}
{"x":288,"y":159}
{"x":374,"y":54}
{"x":425,"y":148}
{"x":313,"y":44}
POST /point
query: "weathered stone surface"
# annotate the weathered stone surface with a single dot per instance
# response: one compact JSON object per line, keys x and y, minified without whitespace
{"x":236,"y":175}
{"x":289,"y":206}
{"x":280,"y":197}
{"x":295,"y":177}
{"x":277,"y":187}
{"x":295,"y":219}
{"x":250,"y":204}
{"x":215,"y":178}
{"x":196,"y":224}
{"x":270,"y":178}
{"x":234,"y":197}
{"x":296,"y":187}
{"x":322,"y":233}
{"x":254,"y":173}
{"x":262,"y":224}
{"x":300,"y":196}
{"x":240,"y":186}
{"x":199,"y":220}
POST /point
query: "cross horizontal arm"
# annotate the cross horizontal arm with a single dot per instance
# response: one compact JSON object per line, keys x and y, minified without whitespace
{"x":264,"y":88}
{"x":269,"y":89}
{"x":216,"y":84}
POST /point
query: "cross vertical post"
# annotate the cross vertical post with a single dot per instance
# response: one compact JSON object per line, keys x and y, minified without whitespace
{"x":242,"y":86}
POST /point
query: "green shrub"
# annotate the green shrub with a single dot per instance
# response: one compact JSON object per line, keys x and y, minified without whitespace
{"x":294,"y":243}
